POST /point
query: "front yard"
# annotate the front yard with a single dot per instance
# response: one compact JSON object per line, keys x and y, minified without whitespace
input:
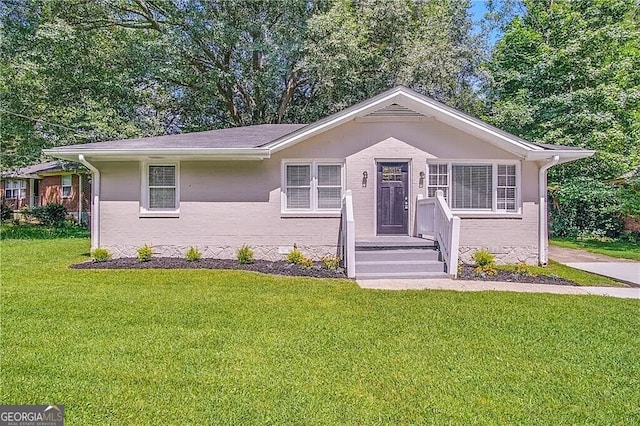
{"x":229,"y":347}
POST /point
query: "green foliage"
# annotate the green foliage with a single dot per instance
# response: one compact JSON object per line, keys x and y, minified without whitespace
{"x":584,"y":206}
{"x":568,"y":73}
{"x":483,"y":257}
{"x":524,"y":269}
{"x":37,"y":232}
{"x":486,"y":263}
{"x":629,"y":196}
{"x":245,"y":254}
{"x":330,"y":262}
{"x":295,"y":256}
{"x":145,"y":253}
{"x":6,"y":212}
{"x":193,"y":254}
{"x":53,"y":214}
{"x":101,"y":254}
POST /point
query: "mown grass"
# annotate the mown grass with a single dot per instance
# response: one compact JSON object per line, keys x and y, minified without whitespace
{"x":618,"y":249}
{"x":229,"y":347}
{"x":9,"y":231}
{"x":579,"y":277}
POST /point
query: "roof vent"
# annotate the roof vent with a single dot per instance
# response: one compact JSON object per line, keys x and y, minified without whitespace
{"x":396,"y":111}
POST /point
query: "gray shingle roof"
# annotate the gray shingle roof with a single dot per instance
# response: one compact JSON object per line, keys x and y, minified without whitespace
{"x":235,"y":137}
{"x":32,"y":171}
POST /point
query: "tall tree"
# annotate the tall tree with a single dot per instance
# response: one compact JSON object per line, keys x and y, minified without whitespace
{"x":568,"y":73}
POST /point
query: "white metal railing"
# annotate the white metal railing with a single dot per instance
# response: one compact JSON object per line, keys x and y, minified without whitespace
{"x":433,"y":217}
{"x":348,"y":236}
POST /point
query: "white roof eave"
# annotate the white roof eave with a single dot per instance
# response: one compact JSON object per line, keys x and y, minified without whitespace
{"x":165,"y":153}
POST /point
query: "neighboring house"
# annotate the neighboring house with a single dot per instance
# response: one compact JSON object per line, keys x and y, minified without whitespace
{"x":366,"y":177}
{"x":50,"y":182}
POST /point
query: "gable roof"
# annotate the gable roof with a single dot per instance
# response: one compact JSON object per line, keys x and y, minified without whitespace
{"x":261,"y":141}
{"x":36,"y":170}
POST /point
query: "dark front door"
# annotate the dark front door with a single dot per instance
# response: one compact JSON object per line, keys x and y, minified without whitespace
{"x":393,"y":198}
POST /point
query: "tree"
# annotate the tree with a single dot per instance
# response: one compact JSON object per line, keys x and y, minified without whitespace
{"x":568,"y":73}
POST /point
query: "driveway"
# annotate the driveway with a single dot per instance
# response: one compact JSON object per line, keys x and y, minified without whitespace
{"x":619,"y":269}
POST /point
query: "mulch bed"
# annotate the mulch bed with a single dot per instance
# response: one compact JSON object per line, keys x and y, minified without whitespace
{"x":469,"y":273}
{"x":288,"y":269}
{"x":264,"y":266}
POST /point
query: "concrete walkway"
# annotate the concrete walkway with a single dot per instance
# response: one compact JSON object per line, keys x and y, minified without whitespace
{"x":619,"y":269}
{"x":459,"y":285}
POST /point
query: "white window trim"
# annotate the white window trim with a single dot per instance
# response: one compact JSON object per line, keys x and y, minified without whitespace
{"x":63,"y":186}
{"x":18,"y":186}
{"x":494,"y":169}
{"x":145,"y":211}
{"x":313,"y":211}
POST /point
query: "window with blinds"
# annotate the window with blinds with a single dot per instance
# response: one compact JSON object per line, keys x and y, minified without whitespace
{"x":162,"y":187}
{"x":15,"y":189}
{"x":472,"y":187}
{"x":475,"y":187}
{"x":298,"y":186}
{"x":312,"y":186}
{"x":329,"y":186}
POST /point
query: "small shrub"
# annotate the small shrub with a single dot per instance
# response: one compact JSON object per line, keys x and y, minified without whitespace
{"x":331,"y":262}
{"x":295,"y":256}
{"x":52,"y":214}
{"x":193,"y":254}
{"x":523,"y":269}
{"x":5,"y":212}
{"x":484,"y":258}
{"x":145,"y":253}
{"x":487,"y":270}
{"x":245,"y":254}
{"x":101,"y":254}
{"x":305,"y":263}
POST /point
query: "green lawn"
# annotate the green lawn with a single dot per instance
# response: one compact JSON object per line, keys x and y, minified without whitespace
{"x":617,"y":249}
{"x":579,"y":277}
{"x":194,"y":347}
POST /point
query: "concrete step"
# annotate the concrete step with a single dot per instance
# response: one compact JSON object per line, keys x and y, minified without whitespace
{"x":395,"y":244}
{"x":399,"y":266}
{"x":401,"y":275}
{"x":396,"y":255}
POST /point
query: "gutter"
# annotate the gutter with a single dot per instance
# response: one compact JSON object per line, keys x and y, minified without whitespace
{"x":95,"y":211}
{"x":542,"y":204}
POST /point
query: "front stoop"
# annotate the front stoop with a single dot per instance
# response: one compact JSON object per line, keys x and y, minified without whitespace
{"x":398,"y":258}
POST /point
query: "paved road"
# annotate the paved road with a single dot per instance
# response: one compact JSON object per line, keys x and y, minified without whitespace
{"x":619,"y":269}
{"x":459,"y":285}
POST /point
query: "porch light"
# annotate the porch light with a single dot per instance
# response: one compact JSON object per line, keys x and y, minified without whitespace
{"x":421,"y":182}
{"x":365,"y":176}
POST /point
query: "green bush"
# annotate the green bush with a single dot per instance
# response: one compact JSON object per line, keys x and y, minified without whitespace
{"x":52,"y":214}
{"x":629,"y":196}
{"x":584,"y":206}
{"x":245,"y":254}
{"x":10,"y":231}
{"x":295,"y":256}
{"x":101,"y":254}
{"x":331,"y":262}
{"x":145,"y":253}
{"x":6,"y":213}
{"x":483,"y":258}
{"x":193,"y":254}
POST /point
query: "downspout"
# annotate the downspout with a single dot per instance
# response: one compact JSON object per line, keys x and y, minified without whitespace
{"x":79,"y":199}
{"x":542,"y":215}
{"x":95,"y":206}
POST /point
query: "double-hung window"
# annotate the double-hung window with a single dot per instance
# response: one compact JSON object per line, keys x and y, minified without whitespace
{"x":66,"y":186}
{"x":15,"y":189}
{"x":312,"y":186}
{"x":479,"y":187}
{"x":160,"y":188}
